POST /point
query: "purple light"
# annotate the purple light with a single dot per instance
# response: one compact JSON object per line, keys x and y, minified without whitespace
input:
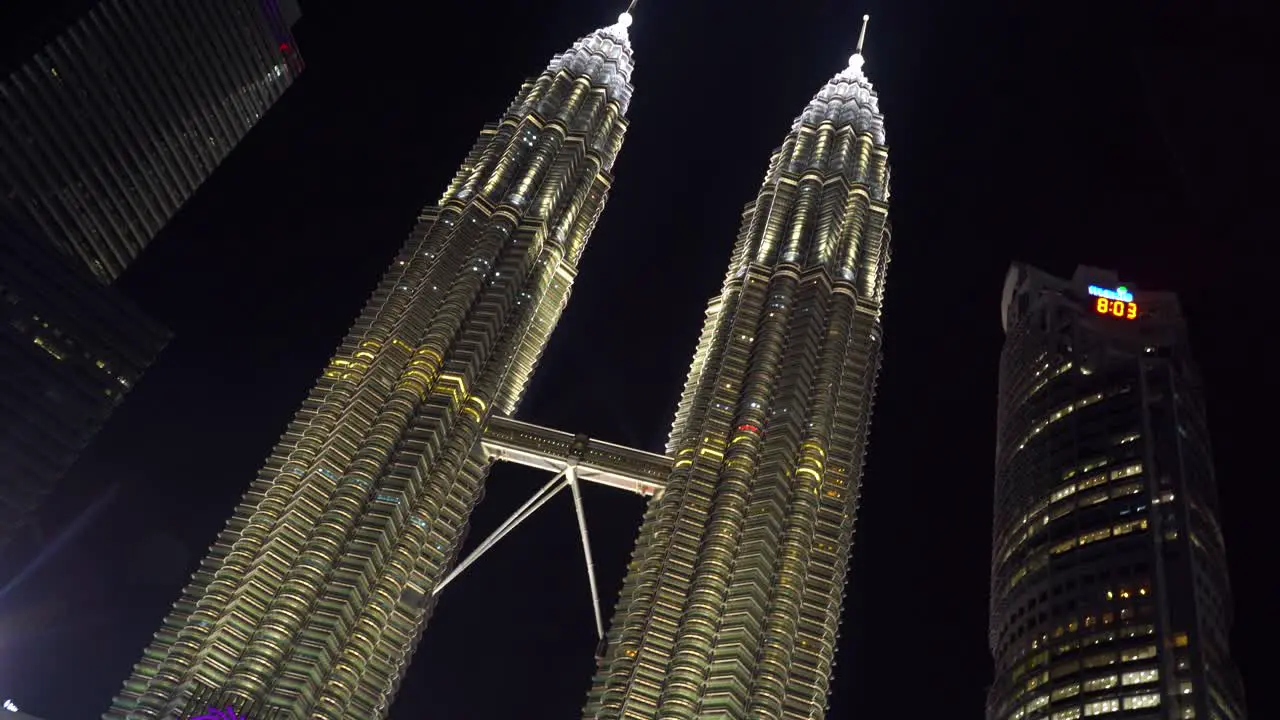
{"x":215,"y":714}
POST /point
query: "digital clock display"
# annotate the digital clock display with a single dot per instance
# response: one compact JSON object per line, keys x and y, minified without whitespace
{"x":1116,"y":303}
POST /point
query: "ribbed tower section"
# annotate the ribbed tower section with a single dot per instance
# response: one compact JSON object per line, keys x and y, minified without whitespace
{"x":732,"y":602}
{"x":298,"y":610}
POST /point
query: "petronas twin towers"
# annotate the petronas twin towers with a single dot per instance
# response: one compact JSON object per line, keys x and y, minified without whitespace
{"x":313,"y":599}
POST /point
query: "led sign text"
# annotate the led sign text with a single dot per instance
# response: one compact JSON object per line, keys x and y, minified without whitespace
{"x":1121,"y":293}
{"x":1116,"y":303}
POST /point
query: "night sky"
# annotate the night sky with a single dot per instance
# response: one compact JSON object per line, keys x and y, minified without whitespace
{"x":1039,"y":132}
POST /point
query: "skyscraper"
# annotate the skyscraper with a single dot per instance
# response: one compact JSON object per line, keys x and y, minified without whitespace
{"x":110,"y":127}
{"x":107,"y":129}
{"x":733,"y":598}
{"x":300,"y":610}
{"x":1109,"y":590}
{"x":70,"y":350}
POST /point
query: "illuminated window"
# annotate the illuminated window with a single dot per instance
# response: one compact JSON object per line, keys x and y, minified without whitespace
{"x":1093,"y":498}
{"x":1141,"y":653}
{"x":1125,"y":528}
{"x":1101,"y":683}
{"x":1099,"y":638}
{"x":1062,"y":492}
{"x":50,"y":348}
{"x":1127,"y":471}
{"x":1094,"y":536}
{"x":1180,"y":640}
{"x":1093,"y":481}
{"x":1137,"y":677}
{"x":1139,"y":630}
{"x":1132,"y":488}
{"x":1063,"y":546}
{"x":1101,"y":707}
{"x":1065,"y":692}
{"x":1148,"y":700}
{"x":1037,"y":680}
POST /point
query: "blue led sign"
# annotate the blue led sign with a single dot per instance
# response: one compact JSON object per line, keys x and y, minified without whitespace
{"x":1121,"y":293}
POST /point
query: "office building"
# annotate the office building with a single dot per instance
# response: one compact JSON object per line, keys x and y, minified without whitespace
{"x":1109,"y":589}
{"x":70,"y":349}
{"x":734,"y":595}
{"x":111,"y":126}
{"x":305,"y":606}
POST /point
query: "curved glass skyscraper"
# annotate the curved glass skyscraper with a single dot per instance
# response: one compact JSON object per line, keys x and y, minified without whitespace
{"x":733,"y":599}
{"x":1109,"y":591}
{"x":300,"y":610}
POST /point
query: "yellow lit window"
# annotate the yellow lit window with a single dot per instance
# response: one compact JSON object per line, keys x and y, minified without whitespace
{"x":1093,"y":498}
{"x":1095,"y":536}
{"x":1037,"y":703}
{"x":1137,"y":677}
{"x":1147,"y":700}
{"x":1141,"y":653}
{"x":1101,"y":660}
{"x":1062,"y":492}
{"x":1125,"y":528}
{"x":1065,"y":691}
{"x":1126,"y":471}
{"x":1063,"y":546}
{"x":1101,"y":683}
{"x":1132,"y":488}
{"x":1036,"y":681}
{"x":1101,"y":707}
{"x":1180,"y":640}
{"x":1093,"y":481}
{"x":50,"y":348}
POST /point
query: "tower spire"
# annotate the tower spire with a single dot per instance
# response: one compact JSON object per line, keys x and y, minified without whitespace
{"x":625,"y":18}
{"x":856,"y":60}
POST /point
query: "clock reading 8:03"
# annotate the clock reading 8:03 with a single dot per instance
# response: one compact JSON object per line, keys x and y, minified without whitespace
{"x":1116,"y":308}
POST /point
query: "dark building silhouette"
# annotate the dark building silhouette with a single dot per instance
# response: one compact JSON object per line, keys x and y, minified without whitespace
{"x":113,"y":114}
{"x":116,"y":120}
{"x":69,"y":351}
{"x":1109,"y":589}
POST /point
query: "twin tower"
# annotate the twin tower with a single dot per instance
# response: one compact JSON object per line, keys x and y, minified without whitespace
{"x":313,"y":599}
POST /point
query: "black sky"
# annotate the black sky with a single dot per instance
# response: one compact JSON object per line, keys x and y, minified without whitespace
{"x":1131,"y":138}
